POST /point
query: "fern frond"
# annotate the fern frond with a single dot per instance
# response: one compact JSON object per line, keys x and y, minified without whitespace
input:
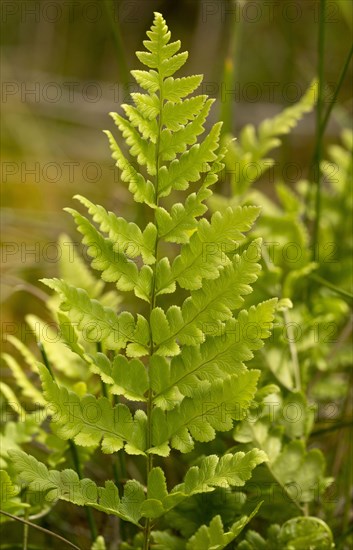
{"x":178,"y":224}
{"x":81,"y":275}
{"x":228,"y":471}
{"x":27,"y":387}
{"x":89,"y":421}
{"x":127,"y":378}
{"x":9,"y":499}
{"x":218,"y":356}
{"x":145,"y":151}
{"x":142,"y":189}
{"x":189,"y":167}
{"x":67,"y":486}
{"x":114,"y":265}
{"x":282,"y":123}
{"x":99,"y":323}
{"x":207,"y":252}
{"x":213,"y":537}
{"x":172,"y":143}
{"x":127,"y":236}
{"x":250,"y":149}
{"x":60,"y":356}
{"x":209,"y":410}
{"x":206,"y":307}
{"x":185,"y":362}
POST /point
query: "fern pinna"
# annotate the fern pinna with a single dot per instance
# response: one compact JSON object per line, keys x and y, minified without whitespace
{"x":181,"y":365}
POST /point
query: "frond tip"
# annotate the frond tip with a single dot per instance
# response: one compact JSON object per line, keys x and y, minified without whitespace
{"x":162,"y":121}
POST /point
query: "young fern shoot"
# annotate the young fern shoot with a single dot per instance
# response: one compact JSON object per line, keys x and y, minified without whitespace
{"x":184,"y":365}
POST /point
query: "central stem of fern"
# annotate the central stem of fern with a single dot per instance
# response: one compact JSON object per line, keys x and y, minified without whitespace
{"x":147,"y":527}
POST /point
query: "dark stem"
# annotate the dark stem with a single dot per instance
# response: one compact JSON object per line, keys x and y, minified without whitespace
{"x":46,"y":531}
{"x":336,"y":92}
{"x":332,"y":287}
{"x":319,"y":133}
{"x":108,"y":6}
{"x":89,"y":513}
{"x":230,"y":62}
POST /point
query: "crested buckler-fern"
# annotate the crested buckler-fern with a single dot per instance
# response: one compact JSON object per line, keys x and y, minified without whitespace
{"x":173,"y":368}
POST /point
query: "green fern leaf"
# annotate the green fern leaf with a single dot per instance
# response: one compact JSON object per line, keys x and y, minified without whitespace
{"x":228,"y":471}
{"x":179,"y":224}
{"x":101,"y":324}
{"x":175,"y":89}
{"x":172,"y":143}
{"x":99,"y":544}
{"x":89,"y":421}
{"x":148,"y":80}
{"x":141,"y":188}
{"x":127,"y":378}
{"x":245,"y":158}
{"x":27,"y":387}
{"x":192,"y":381}
{"x":218,"y":356}
{"x":127,"y":237}
{"x":81,"y":275}
{"x":213,"y":537}
{"x":67,"y":486}
{"x":60,"y":356}
{"x":199,"y":417}
{"x":147,"y":105}
{"x":114,"y":265}
{"x":176,"y":115}
{"x":207,"y":252}
{"x":206,"y":308}
{"x":9,"y":500}
{"x":145,"y":151}
{"x":191,"y":164}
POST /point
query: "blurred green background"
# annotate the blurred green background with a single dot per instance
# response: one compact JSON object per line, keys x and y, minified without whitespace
{"x":65,"y":66}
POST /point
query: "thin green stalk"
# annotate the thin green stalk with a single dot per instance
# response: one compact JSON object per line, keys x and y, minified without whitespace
{"x":45,"y":358}
{"x":332,"y":104}
{"x":333,"y":428}
{"x":46,"y":531}
{"x":74,"y":455}
{"x":319,"y":118}
{"x":336,"y":92}
{"x":25,"y":529}
{"x":124,"y":74}
{"x":348,"y":487}
{"x":293,"y":351}
{"x":228,"y":80}
{"x":331,"y":286}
